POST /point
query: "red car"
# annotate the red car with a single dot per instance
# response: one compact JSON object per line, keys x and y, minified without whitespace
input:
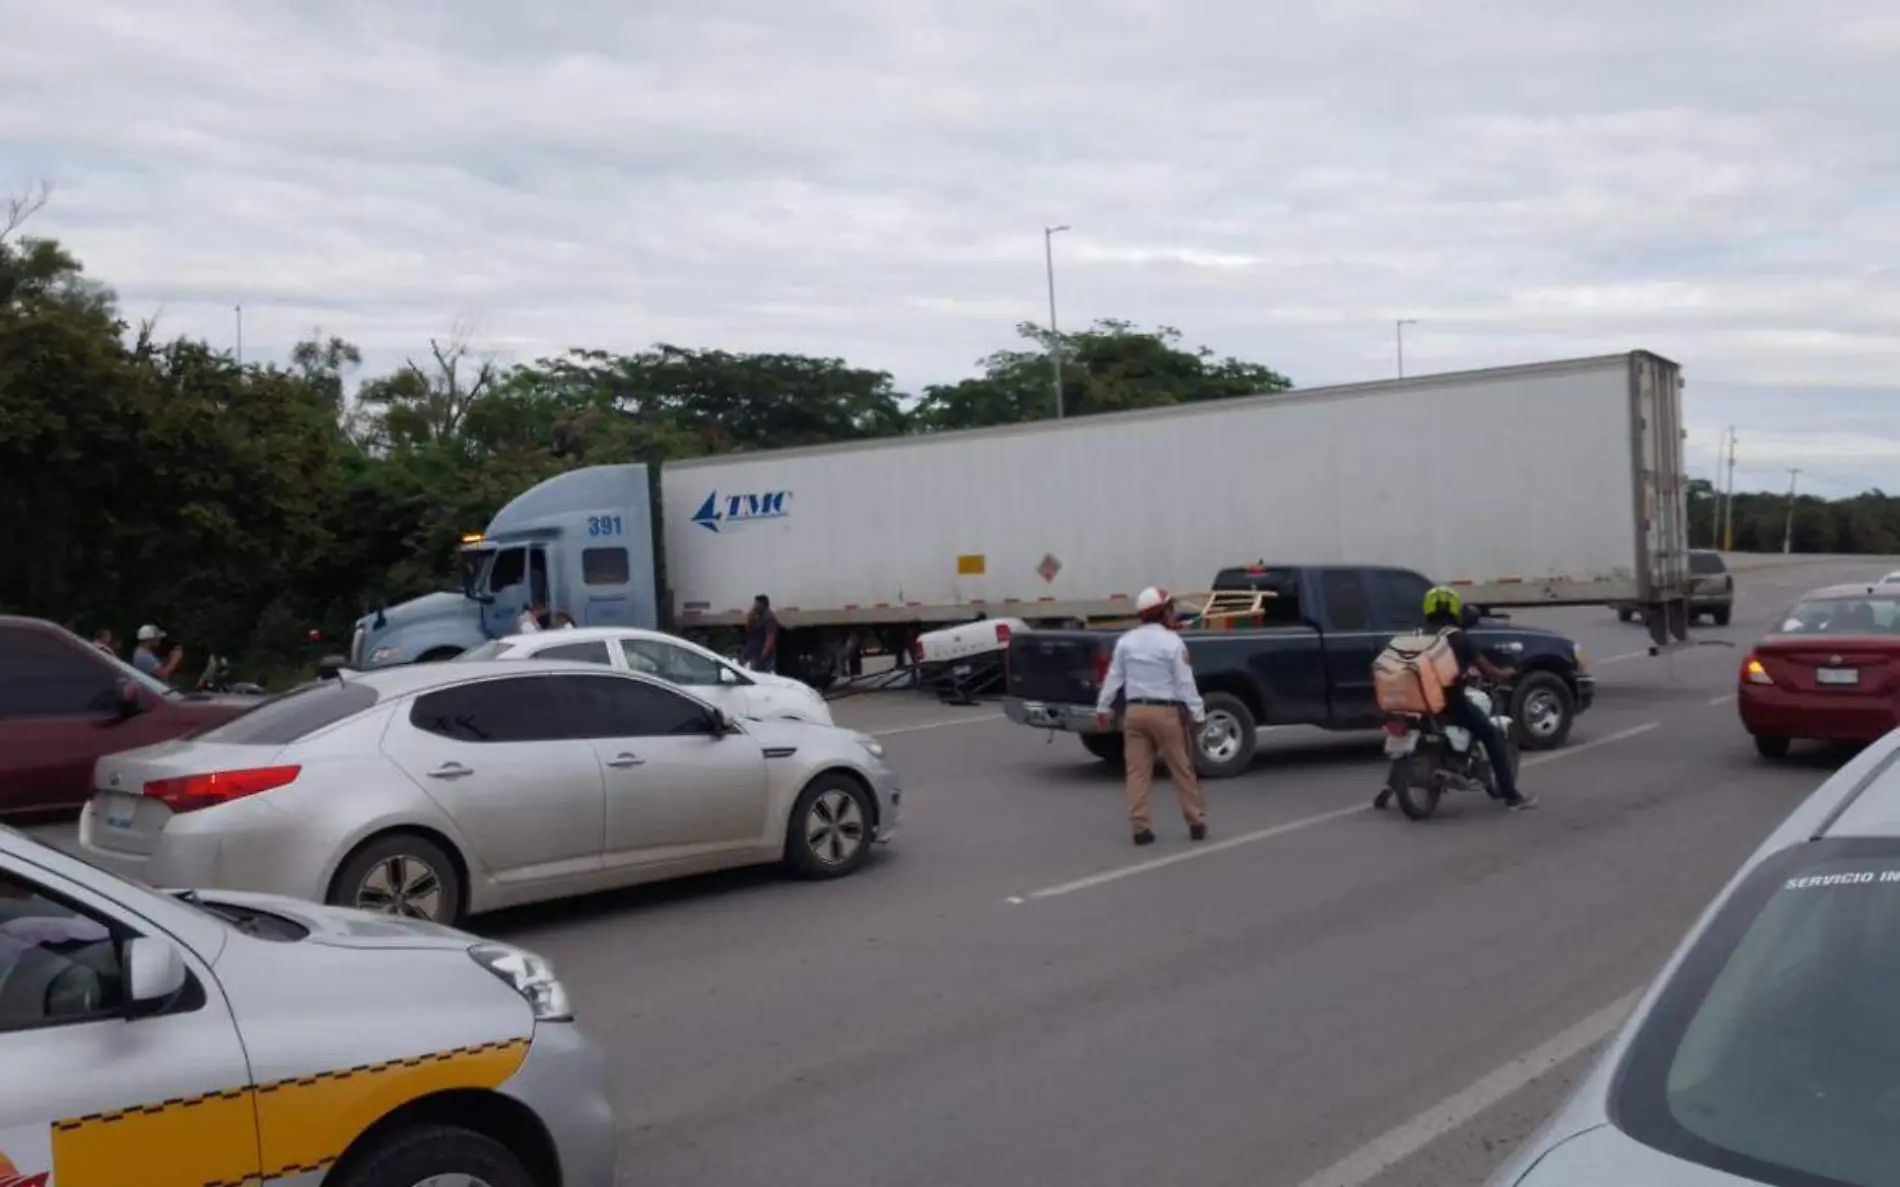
{"x":64,"y":703}
{"x":1831,"y":672}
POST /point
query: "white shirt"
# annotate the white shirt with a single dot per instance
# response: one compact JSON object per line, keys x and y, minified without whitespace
{"x":526,"y":625}
{"x":1151,"y":664}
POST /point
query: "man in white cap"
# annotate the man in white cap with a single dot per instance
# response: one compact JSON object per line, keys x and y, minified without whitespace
{"x":145,"y":658}
{"x":1150,"y":666}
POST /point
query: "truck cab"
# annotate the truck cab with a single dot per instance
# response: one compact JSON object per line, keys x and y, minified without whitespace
{"x":581,"y":542}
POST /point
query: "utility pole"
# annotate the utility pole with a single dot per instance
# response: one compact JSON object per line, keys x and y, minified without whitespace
{"x":1398,"y":335}
{"x":1055,"y":337}
{"x":1787,"y":537}
{"x":1728,"y":500}
{"x":240,"y":335}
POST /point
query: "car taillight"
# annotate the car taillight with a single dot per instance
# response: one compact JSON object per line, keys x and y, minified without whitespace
{"x":1002,"y":633}
{"x":1102,"y":657}
{"x":188,"y":793}
{"x":917,"y":651}
{"x":1754,"y":673}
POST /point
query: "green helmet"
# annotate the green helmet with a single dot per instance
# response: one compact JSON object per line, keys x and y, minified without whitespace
{"x":1443,"y":601}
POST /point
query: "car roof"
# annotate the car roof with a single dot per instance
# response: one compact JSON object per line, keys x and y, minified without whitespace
{"x":1860,"y":589}
{"x":33,"y":624}
{"x":582,"y":634}
{"x":415,"y":678}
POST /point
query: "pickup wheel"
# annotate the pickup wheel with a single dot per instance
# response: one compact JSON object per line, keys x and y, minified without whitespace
{"x":1543,"y":710}
{"x":1224,"y":747}
{"x":1110,"y":748}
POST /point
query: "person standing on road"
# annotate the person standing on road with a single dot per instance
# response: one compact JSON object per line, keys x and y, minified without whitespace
{"x":1150,"y":666}
{"x":1445,"y":614}
{"x":145,"y":658}
{"x":761,"y":637}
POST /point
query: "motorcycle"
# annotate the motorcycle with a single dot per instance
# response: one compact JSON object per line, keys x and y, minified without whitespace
{"x":1430,"y":755}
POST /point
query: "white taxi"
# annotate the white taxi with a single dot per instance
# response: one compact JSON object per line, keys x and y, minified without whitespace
{"x":165,"y":1039}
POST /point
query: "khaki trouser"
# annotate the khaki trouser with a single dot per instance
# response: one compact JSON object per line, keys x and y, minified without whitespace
{"x":1148,"y":730}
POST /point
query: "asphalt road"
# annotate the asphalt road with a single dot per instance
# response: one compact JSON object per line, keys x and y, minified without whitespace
{"x":1014,"y":995}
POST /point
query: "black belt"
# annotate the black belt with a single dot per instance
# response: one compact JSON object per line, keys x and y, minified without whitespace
{"x":1151,"y":701}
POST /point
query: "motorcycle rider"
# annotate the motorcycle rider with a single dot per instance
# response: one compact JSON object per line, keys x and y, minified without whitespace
{"x":1445,"y":616}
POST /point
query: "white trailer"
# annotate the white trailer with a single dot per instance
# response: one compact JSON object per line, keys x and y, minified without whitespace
{"x":1555,"y":483}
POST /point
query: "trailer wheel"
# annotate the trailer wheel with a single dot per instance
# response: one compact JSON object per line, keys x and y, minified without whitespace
{"x":1110,"y":748}
{"x":1224,"y":747}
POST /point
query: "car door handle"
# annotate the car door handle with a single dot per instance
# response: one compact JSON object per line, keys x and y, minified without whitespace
{"x":450,"y":770}
{"x":625,"y":760}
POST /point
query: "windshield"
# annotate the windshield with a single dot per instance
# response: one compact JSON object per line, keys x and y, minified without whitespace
{"x":1706,"y":564}
{"x":1774,"y":1053}
{"x":151,"y":683}
{"x":1874,"y":614}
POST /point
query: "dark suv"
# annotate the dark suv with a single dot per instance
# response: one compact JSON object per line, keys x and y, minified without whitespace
{"x":63,"y":703}
{"x":1711,"y":591}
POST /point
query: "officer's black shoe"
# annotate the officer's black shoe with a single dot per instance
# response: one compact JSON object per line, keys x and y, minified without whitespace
{"x":1144,"y":837}
{"x":1197,"y":832}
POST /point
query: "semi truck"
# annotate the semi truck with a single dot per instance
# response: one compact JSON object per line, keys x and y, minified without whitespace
{"x":1548,"y":484}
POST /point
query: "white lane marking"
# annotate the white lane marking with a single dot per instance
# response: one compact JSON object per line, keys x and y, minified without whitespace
{"x":1724,"y":699}
{"x":1281,"y":830}
{"x":1592,"y":744}
{"x":1396,"y":1145}
{"x":1202,"y":850}
{"x":1617,"y":659}
{"x":935,"y":725}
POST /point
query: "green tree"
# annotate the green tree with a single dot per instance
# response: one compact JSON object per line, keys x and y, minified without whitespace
{"x":1110,"y":367}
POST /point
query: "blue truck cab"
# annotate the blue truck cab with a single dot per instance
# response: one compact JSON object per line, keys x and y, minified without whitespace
{"x":580,"y":542}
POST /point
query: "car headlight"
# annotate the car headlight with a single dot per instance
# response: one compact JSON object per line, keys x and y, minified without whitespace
{"x":385,"y":655}
{"x":871,"y":745}
{"x":530,"y":976}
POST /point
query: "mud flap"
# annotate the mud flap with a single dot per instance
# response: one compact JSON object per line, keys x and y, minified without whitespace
{"x":1667,"y":621}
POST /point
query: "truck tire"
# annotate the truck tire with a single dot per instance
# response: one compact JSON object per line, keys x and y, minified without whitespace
{"x":1110,"y":748}
{"x":1543,"y":710}
{"x":1625,"y":614}
{"x":1224,"y":747}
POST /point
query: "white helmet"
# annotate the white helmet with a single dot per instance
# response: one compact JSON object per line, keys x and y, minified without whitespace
{"x":1152,"y":598}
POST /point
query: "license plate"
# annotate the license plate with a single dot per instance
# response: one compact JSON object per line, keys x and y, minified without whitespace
{"x":1397,"y":744}
{"x":1040,"y":714}
{"x":119,"y":811}
{"x":1837,"y":675}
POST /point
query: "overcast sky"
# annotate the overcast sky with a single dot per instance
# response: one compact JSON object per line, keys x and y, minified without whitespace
{"x":869,"y":179}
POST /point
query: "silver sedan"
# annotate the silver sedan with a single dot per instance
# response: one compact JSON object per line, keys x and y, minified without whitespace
{"x":439,"y":791}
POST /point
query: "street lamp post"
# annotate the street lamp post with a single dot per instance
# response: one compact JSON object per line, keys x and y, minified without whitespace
{"x":1055,"y":338}
{"x":1787,"y":536}
{"x":1398,"y":337}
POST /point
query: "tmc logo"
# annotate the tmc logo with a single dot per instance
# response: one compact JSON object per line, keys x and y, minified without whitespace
{"x":738,"y":509}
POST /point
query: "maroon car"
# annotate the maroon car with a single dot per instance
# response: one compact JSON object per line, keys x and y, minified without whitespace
{"x":1829,"y":672}
{"x":63,"y":703}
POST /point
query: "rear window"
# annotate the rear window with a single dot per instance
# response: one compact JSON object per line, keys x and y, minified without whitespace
{"x":298,"y":713}
{"x":1283,"y":584}
{"x":1706,"y":564}
{"x":1774,"y":1052}
{"x":1873,"y":615}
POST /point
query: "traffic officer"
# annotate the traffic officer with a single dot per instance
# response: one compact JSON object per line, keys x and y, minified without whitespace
{"x":1150,"y":665}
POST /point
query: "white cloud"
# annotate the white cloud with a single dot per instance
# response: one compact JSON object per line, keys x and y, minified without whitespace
{"x":869,"y":179}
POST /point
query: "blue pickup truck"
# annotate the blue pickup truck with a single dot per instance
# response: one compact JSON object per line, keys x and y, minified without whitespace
{"x":1305,"y":660}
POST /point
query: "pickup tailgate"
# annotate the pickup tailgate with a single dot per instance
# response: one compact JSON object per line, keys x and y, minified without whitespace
{"x":1058,"y":667}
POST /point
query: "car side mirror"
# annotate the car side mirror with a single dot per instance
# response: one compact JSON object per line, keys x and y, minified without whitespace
{"x":718,"y":723}
{"x":155,"y":974}
{"x":728,"y":676}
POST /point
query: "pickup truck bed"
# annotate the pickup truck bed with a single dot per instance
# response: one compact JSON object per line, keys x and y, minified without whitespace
{"x":1308,"y":661}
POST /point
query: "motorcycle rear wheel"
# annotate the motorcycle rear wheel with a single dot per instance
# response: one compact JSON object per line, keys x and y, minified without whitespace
{"x":1411,"y":782}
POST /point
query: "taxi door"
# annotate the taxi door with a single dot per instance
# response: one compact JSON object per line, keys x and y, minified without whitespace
{"x":98,"y":1092}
